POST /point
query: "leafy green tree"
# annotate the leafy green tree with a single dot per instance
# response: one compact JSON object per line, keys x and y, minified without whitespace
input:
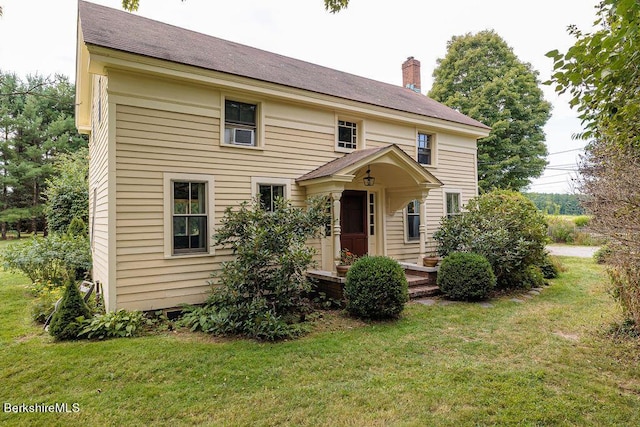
{"x":332,"y":6}
{"x":68,"y":191}
{"x":601,"y":72}
{"x":481,"y":77}
{"x":36,"y":124}
{"x":557,"y":204}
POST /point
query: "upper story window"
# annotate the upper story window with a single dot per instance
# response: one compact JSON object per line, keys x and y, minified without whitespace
{"x":453,"y":204}
{"x":347,"y":134}
{"x":240,"y":123}
{"x":425,"y":142}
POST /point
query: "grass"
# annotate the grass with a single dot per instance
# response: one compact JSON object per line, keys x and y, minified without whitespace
{"x":546,"y":361}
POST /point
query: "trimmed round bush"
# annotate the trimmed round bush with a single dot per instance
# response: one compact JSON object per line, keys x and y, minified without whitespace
{"x":466,"y":276}
{"x":376,"y":288}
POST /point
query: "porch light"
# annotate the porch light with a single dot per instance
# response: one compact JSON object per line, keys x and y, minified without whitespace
{"x":369,"y":180}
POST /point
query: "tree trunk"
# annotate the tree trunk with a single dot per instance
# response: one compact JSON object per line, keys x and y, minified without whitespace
{"x":34,"y":219}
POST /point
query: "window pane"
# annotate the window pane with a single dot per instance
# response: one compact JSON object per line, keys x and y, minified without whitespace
{"x":180,"y":197}
{"x":344,"y":134}
{"x":412,"y":207}
{"x":278,"y":191}
{"x":453,"y":203}
{"x":265,"y":197}
{"x":347,"y":132}
{"x":413,"y":225}
{"x":197,"y":198}
{"x":268,"y":195}
{"x":180,"y":238}
{"x":239,"y":112}
{"x":197,"y":232}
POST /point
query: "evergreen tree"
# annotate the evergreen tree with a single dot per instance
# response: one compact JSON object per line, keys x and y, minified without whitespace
{"x":481,"y":77}
{"x":66,"y":322}
{"x":36,"y":124}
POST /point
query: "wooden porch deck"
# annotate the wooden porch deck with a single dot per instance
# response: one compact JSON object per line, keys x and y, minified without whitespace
{"x":421,"y":280}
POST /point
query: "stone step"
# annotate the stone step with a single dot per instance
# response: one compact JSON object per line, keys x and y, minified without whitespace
{"x":423,"y":291}
{"x":416,"y":280}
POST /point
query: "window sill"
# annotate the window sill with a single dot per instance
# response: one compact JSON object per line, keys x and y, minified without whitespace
{"x":344,"y":150}
{"x":190,"y":255}
{"x":243,"y":147}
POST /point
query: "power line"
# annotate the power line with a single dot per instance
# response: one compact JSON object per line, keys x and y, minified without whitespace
{"x":566,"y":151}
{"x":553,"y":176}
{"x":550,"y":183}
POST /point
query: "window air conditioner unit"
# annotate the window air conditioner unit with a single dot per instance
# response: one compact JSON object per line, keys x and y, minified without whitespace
{"x":243,"y":136}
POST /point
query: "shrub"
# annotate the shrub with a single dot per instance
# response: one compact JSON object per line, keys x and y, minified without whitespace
{"x":582,"y":220}
{"x":561,"y":230}
{"x":68,"y":191}
{"x":77,"y":227}
{"x":504,"y":227}
{"x":114,"y":324}
{"x":52,"y":259}
{"x":466,"y":276}
{"x":531,"y":277}
{"x":262,"y":293}
{"x":67,"y":321}
{"x":550,"y":267}
{"x":376,"y":288}
{"x":601,"y":255}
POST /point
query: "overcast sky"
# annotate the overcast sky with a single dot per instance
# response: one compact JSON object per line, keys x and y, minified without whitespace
{"x":371,"y":38}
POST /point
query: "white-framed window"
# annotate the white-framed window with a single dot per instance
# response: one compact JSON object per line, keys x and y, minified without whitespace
{"x":424,"y":146}
{"x":269,"y":189}
{"x":412,"y":221}
{"x":188,"y":214}
{"x":243,"y":121}
{"x":349,"y":134}
{"x":452,"y":202}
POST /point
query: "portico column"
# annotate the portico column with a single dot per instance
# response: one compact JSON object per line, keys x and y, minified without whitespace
{"x":337,"y":230}
{"x":423,"y":230}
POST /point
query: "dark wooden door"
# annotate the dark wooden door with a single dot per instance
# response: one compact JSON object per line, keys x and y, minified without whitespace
{"x":353,"y":221}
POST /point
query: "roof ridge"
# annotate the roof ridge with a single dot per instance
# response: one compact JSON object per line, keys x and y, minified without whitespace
{"x":118,"y":30}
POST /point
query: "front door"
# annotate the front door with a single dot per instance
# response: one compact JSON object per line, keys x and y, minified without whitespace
{"x":353,"y":221}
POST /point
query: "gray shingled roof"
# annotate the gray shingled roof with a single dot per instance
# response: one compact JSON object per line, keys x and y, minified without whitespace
{"x":123,"y":31}
{"x":340,"y":163}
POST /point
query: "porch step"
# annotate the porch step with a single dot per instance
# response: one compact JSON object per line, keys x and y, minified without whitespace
{"x":415,"y":280}
{"x":423,"y":291}
{"x":421,"y":286}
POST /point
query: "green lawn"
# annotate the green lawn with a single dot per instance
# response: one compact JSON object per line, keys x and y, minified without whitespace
{"x":546,"y":361}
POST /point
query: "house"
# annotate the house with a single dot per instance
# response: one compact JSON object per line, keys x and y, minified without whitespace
{"x":183,"y":125}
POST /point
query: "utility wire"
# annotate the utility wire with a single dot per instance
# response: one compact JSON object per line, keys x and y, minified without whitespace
{"x":549,"y":183}
{"x":566,"y":151}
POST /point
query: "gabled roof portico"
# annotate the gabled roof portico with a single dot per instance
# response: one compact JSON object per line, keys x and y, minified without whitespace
{"x":400,"y":178}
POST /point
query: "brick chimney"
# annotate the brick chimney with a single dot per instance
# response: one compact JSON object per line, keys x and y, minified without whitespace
{"x":411,"y":74}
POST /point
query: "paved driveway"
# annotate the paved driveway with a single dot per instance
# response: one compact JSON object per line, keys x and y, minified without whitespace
{"x":577,"y":251}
